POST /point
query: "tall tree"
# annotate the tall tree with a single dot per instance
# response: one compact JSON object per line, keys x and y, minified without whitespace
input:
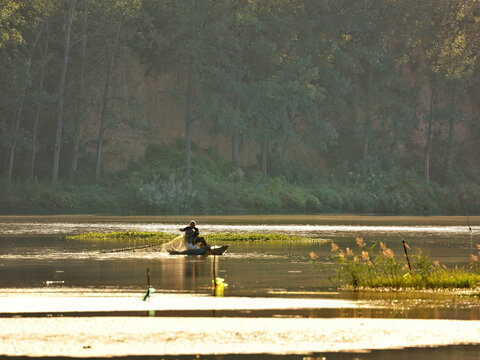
{"x":35,"y":14}
{"x":61,"y":92}
{"x":80,"y":102}
{"x":446,"y":34}
{"x":106,"y":99}
{"x":39,"y":101}
{"x":175,"y":38}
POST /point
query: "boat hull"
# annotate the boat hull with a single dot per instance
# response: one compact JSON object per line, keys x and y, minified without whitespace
{"x":214,"y":250}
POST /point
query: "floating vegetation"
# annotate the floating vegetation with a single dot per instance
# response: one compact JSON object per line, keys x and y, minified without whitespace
{"x":125,"y":235}
{"x":161,"y":236}
{"x":378,"y":267}
{"x":254,"y":237}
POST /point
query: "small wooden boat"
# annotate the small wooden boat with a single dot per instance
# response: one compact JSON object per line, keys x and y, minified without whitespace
{"x":211,"y":250}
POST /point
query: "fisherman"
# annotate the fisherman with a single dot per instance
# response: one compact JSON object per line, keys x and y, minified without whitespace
{"x":192,"y":236}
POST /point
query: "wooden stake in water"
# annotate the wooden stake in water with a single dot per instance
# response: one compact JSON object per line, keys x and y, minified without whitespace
{"x":469,"y":226}
{"x":147,"y":294}
{"x":406,"y":255}
{"x":214,"y":275}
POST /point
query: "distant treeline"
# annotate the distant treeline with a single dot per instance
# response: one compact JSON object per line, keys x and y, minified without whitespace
{"x":383,"y":96}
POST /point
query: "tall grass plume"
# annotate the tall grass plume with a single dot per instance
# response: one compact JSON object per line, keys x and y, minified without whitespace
{"x":377,"y":266}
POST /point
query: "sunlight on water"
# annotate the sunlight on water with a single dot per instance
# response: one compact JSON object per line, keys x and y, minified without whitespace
{"x":117,"y":336}
{"x":80,"y":256}
{"x":22,"y":228}
{"x":275,"y":300}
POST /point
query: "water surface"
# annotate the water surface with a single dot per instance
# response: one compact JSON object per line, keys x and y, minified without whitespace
{"x":41,"y":269}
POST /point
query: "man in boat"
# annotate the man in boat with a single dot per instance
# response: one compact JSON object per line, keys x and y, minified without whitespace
{"x":192,"y":236}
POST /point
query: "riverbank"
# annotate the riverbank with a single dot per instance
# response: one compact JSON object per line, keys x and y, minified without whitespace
{"x":220,"y":189}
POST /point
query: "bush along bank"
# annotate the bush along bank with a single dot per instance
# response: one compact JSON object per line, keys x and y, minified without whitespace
{"x":254,"y":195}
{"x":157,"y":184}
{"x":378,"y":267}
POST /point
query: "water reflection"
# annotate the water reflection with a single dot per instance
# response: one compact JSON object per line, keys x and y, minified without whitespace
{"x":31,"y":259}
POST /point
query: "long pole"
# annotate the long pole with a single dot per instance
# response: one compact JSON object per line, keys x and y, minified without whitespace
{"x":406,"y":255}
{"x":147,"y":294}
{"x":469,"y":226}
{"x":214,"y":275}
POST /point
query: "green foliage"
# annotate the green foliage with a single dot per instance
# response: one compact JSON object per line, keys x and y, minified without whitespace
{"x":339,"y":93}
{"x":378,"y":267}
{"x":156,"y":185}
{"x":40,"y":196}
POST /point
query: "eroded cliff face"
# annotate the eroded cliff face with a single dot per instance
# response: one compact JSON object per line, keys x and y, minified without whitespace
{"x":160,"y":118}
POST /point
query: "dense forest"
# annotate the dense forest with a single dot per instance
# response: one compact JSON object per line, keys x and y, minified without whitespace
{"x":283,"y":105}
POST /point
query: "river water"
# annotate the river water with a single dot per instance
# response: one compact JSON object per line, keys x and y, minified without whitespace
{"x":37,"y":261}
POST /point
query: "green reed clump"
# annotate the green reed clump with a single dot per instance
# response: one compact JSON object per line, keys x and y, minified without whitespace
{"x":253,"y":237}
{"x":378,"y":267}
{"x":125,"y":235}
{"x":210,"y":238}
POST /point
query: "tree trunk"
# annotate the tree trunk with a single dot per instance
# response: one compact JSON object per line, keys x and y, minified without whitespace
{"x":11,"y":155}
{"x":103,"y":119}
{"x":236,"y":135}
{"x":235,"y":143}
{"x":288,"y":137}
{"x":395,"y":145}
{"x":366,"y":128}
{"x":61,"y":94}
{"x":451,"y":146}
{"x":451,"y":134}
{"x":39,"y":106}
{"x":264,"y":154}
{"x":188,"y":107}
{"x":188,"y":124}
{"x":429,"y":135}
{"x":79,"y":106}
{"x":18,"y":115}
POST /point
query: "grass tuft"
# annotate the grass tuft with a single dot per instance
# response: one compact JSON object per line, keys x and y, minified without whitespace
{"x":378,"y":267}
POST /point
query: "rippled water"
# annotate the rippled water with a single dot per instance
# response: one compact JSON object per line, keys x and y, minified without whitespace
{"x":41,"y":268}
{"x":34,"y":252}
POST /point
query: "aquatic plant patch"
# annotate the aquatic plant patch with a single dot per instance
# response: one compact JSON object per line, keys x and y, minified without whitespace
{"x":125,"y":235}
{"x":378,"y":267}
{"x":254,"y":237}
{"x":210,"y":238}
